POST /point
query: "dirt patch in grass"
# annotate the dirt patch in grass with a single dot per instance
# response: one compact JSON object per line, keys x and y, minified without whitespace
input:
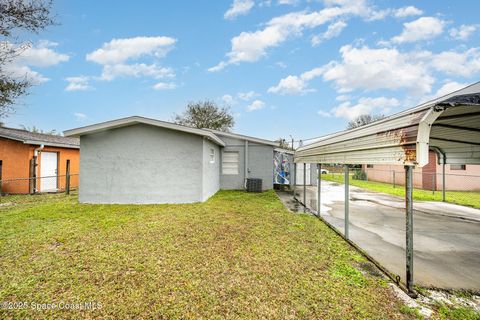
{"x":236,"y":256}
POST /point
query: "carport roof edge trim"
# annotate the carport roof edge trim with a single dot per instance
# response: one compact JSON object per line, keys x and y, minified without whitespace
{"x":123,"y":122}
{"x":401,"y":138}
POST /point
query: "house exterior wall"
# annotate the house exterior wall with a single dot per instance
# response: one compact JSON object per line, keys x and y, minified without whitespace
{"x":260,"y":164}
{"x":63,"y":154}
{"x":211,"y":171}
{"x":460,"y":180}
{"x":16,"y":155}
{"x":430,"y":176}
{"x":141,"y":164}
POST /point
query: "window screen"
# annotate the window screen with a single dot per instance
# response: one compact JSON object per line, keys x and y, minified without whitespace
{"x":212,"y":155}
{"x":230,"y":162}
{"x":458,"y":167}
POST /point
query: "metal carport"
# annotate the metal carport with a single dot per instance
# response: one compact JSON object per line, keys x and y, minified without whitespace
{"x":449,"y":125}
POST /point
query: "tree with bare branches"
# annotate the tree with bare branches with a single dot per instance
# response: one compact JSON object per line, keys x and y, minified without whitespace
{"x":364,"y":119}
{"x":206,"y":114}
{"x":18,"y":16}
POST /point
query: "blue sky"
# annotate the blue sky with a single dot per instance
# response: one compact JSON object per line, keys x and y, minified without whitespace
{"x":286,"y":67}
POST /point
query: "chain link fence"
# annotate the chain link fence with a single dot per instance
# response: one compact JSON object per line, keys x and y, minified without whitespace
{"x":49,"y":184}
{"x":458,"y":188}
{"x":445,"y":237}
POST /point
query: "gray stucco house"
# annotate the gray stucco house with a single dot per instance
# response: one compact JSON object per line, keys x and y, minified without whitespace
{"x":142,"y":160}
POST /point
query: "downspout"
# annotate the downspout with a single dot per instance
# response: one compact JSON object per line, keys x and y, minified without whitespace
{"x":36,"y":151}
{"x":442,"y":159}
{"x":246,"y":164}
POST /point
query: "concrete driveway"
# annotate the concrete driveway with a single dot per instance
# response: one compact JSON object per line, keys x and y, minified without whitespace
{"x":446,"y":236}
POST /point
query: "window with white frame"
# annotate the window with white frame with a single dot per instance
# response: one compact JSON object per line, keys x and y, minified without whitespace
{"x":230,"y":162}
{"x":212,"y":155}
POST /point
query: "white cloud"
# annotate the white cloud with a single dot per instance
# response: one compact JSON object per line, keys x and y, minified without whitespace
{"x":246,"y":96}
{"x":368,"y":69}
{"x":164,"y":86}
{"x":364,"y":106}
{"x":228,"y":99}
{"x":110,"y":72}
{"x":80,"y":83}
{"x":424,"y":28}
{"x":371,"y":69}
{"x":465,"y":64}
{"x":449,"y":87}
{"x":296,"y":85}
{"x":407,"y":12}
{"x":119,"y":55}
{"x":238,"y":8}
{"x":324,"y":114}
{"x":288,"y":2}
{"x":333,"y":31}
{"x":343,"y":97}
{"x":80,"y":116}
{"x":463,"y":32}
{"x":290,"y":85}
{"x":19,"y":71}
{"x":120,"y":50}
{"x":256,"y":105}
{"x":40,"y":55}
{"x":252,"y":46}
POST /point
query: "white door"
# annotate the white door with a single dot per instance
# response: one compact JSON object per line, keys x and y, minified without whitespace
{"x":48,"y":171}
{"x":300,"y":174}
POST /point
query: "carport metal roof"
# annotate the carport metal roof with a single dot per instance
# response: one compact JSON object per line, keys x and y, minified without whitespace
{"x":449,"y":125}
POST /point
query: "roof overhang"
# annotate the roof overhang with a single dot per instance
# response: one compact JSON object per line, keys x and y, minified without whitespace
{"x":449,"y":125}
{"x":40,"y":142}
{"x":244,"y":137}
{"x":124,"y":122}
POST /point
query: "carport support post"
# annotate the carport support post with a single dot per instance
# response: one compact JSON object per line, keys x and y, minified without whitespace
{"x":319,"y":188}
{"x":67,"y":177}
{"x":443,"y":181}
{"x":347,"y":197}
{"x":409,"y":226}
{"x":304,"y":186}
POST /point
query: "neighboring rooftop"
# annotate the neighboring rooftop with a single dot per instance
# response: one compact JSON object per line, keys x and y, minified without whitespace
{"x":28,"y":137}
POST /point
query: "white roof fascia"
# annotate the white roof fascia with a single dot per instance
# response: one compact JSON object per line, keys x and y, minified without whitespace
{"x":140,"y":120}
{"x":243,"y":137}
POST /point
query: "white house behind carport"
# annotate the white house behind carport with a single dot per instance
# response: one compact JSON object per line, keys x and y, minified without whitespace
{"x":141,"y":160}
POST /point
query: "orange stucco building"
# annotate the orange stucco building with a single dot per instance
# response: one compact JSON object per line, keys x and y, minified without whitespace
{"x":33,"y":162}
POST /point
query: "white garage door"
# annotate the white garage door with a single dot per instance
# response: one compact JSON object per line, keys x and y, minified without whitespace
{"x":48,"y":171}
{"x":300,"y":174}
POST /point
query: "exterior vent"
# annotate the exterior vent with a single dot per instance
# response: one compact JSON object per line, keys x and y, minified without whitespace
{"x":254,"y":185}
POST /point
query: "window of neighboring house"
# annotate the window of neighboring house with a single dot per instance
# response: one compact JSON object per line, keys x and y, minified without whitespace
{"x":230,"y":162}
{"x":212,"y":155}
{"x":458,"y":167}
{"x":369,"y":166}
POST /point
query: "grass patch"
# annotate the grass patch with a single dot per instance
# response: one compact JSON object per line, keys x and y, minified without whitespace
{"x":457,"y":313}
{"x":465,"y":198}
{"x":411,"y":311}
{"x":238,"y":255}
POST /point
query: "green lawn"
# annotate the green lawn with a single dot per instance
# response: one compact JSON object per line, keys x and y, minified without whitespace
{"x":465,"y":198}
{"x":236,"y":256}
